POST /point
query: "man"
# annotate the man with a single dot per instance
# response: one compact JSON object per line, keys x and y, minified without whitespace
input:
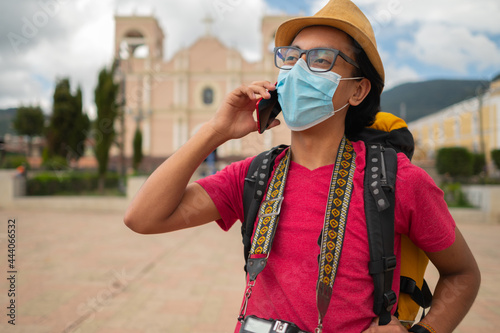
{"x":329,"y":87}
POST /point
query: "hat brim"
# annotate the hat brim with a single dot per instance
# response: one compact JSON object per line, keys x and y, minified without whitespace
{"x":288,"y":30}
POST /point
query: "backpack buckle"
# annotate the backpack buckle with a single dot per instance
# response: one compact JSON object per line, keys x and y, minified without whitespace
{"x":390,"y":299}
{"x":271,"y":203}
{"x":390,"y":263}
{"x":386,"y":264}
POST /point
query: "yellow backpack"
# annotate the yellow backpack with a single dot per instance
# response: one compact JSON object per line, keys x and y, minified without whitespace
{"x":414,"y":291}
{"x":391,"y":135}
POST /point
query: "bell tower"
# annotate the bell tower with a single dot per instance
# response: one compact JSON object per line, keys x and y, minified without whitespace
{"x":139,"y":54}
{"x":269,"y":26}
{"x":138,"y":37}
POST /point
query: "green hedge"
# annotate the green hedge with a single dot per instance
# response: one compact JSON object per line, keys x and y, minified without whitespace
{"x":53,"y":183}
{"x":12,"y":161}
{"x":478,"y":163}
{"x":495,"y":156}
{"x":455,"y":161}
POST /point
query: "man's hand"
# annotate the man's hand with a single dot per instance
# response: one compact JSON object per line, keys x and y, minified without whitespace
{"x":234,"y":119}
{"x":393,"y":326}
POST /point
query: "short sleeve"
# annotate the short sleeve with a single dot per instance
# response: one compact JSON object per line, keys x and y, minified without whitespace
{"x":225,"y":188}
{"x":421,"y":211}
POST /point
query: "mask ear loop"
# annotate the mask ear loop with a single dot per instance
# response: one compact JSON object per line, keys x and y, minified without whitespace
{"x":347,"y":78}
{"x":352,"y":78}
{"x":342,"y":108}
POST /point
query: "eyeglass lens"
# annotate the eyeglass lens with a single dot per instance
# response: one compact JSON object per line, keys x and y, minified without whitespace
{"x":317,"y":59}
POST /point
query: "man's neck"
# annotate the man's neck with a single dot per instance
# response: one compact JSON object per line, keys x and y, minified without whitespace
{"x":317,"y":146}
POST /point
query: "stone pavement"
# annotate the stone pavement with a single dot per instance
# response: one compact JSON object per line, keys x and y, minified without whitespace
{"x":86,"y":272}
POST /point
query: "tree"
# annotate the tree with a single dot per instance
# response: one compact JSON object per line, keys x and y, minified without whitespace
{"x":137,"y":149}
{"x":29,"y":121}
{"x":104,"y":132}
{"x":68,"y":126}
{"x":76,"y":142}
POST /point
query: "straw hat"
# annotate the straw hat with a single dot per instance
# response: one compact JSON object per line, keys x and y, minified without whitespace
{"x":343,"y":15}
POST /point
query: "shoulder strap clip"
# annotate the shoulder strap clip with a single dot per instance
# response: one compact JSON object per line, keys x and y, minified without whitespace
{"x":270,"y":203}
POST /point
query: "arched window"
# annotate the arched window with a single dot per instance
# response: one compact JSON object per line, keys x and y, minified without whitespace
{"x":134,"y":45}
{"x":208,"y":96}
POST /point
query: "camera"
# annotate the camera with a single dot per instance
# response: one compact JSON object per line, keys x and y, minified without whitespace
{"x":253,"y":324}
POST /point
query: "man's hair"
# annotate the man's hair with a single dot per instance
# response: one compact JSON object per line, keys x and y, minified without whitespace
{"x":363,"y":115}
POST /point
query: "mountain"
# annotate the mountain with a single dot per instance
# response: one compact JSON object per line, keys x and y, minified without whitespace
{"x":6,"y":117}
{"x":423,"y":98}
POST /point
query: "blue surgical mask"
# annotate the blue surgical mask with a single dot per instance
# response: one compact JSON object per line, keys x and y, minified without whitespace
{"x":306,"y":96}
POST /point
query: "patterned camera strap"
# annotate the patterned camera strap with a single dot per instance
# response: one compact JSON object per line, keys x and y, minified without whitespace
{"x":333,"y":229}
{"x":332,"y":236}
{"x":269,"y":211}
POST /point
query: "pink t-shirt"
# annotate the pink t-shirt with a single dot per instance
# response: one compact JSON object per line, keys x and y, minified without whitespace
{"x":286,"y":288}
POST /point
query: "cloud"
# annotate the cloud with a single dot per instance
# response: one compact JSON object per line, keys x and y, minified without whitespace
{"x":478,"y":15}
{"x":31,"y":22}
{"x":232,"y":24}
{"x":42,"y":40}
{"x":59,"y":38}
{"x":396,"y":75}
{"x":395,"y":72}
{"x":453,"y":48}
{"x":237,"y":30}
{"x":182,"y":21}
{"x":48,"y":39}
{"x":317,"y":5}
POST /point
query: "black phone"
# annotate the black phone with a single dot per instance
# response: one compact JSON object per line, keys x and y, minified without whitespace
{"x":267,"y":111}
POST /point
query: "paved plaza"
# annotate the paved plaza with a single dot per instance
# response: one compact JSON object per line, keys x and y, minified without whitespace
{"x":85,"y":272}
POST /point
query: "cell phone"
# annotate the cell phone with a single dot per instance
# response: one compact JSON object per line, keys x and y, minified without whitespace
{"x":267,"y":111}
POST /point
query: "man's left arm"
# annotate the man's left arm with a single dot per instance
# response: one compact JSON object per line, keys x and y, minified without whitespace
{"x":456,"y":290}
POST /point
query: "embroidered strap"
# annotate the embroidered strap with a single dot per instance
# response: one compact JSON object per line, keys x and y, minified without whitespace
{"x":422,"y":328}
{"x":270,"y":209}
{"x":334,"y":227}
{"x":266,"y":228}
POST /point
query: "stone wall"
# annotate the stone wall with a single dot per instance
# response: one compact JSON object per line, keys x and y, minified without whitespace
{"x":486,"y":198}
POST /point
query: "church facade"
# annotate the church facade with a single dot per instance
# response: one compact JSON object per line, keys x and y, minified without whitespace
{"x":170,"y":100}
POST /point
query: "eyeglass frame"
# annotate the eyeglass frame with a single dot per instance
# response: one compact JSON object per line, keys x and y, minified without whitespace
{"x":306,"y":52}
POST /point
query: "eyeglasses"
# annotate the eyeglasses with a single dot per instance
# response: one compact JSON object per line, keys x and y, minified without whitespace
{"x":318,"y":59}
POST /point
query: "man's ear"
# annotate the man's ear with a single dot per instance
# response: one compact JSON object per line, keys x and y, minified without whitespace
{"x":362,"y":90}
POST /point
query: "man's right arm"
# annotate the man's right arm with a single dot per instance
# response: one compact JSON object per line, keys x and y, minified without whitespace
{"x":166,"y":202}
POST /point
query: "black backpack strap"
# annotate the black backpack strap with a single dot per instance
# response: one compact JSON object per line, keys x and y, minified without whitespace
{"x":421,"y":296}
{"x":254,"y":190}
{"x":379,"y":195}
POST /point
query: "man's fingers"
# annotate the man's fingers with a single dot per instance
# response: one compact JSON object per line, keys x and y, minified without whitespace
{"x":261,"y":88}
{"x":374,"y":322}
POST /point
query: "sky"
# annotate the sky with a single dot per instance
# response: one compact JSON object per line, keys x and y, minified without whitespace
{"x":43,"y":40}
